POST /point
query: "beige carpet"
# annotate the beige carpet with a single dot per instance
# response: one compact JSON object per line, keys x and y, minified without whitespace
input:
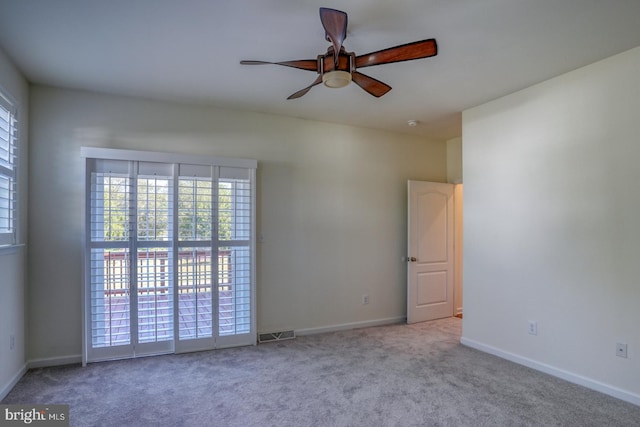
{"x":417,"y":375}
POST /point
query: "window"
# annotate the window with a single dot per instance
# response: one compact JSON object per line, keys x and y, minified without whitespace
{"x":8,"y":172}
{"x":169,"y":253}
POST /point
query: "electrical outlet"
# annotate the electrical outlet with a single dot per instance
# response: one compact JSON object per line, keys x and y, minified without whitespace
{"x":621,"y":350}
{"x":365,"y":299}
{"x":533,"y":327}
{"x":12,"y":342}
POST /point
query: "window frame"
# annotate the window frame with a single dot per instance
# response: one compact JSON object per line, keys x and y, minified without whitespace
{"x":9,"y":170}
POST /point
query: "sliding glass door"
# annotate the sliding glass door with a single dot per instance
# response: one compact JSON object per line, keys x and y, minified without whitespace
{"x":169,"y":255}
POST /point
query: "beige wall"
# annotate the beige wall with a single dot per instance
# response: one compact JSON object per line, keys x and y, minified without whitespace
{"x":458,"y":291}
{"x":454,"y":176}
{"x":551,"y":225}
{"x":454,"y":161}
{"x":331,"y":206}
{"x":12,"y":262}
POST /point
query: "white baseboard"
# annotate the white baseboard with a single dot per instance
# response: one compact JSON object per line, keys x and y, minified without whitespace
{"x":54,"y":361}
{"x":6,"y":388}
{"x":353,"y":325}
{"x":556,"y":372}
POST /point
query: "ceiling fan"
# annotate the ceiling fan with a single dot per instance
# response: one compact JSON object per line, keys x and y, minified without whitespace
{"x":337,"y":68}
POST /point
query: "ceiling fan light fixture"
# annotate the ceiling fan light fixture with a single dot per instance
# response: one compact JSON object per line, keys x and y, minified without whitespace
{"x":342,"y":70}
{"x":336,"y":79}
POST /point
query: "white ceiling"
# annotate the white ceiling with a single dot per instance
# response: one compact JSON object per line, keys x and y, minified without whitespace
{"x":189,"y":51}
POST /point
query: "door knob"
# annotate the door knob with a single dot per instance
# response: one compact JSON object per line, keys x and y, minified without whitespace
{"x":412,"y":259}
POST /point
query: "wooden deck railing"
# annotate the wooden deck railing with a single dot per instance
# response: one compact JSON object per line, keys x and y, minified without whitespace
{"x":154,"y":276}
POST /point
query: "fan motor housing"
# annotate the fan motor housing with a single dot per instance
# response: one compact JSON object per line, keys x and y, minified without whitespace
{"x":346,"y":62}
{"x":340,"y":76}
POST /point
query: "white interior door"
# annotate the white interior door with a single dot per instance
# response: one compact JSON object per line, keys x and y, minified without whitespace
{"x":431,"y":251}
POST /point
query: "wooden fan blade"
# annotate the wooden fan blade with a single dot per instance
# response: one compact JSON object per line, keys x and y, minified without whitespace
{"x":335,"y":27}
{"x":302,"y":64}
{"x":405,"y":52}
{"x":371,"y":85}
{"x":304,"y":91}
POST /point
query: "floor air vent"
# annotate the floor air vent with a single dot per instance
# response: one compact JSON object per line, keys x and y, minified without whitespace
{"x":276,"y":336}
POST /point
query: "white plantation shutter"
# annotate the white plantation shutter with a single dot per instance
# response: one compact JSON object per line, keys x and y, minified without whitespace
{"x":170,"y":254}
{"x":234,"y":231}
{"x":196,"y":210}
{"x":154,"y":253}
{"x":109,"y":257}
{"x":8,"y":172}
